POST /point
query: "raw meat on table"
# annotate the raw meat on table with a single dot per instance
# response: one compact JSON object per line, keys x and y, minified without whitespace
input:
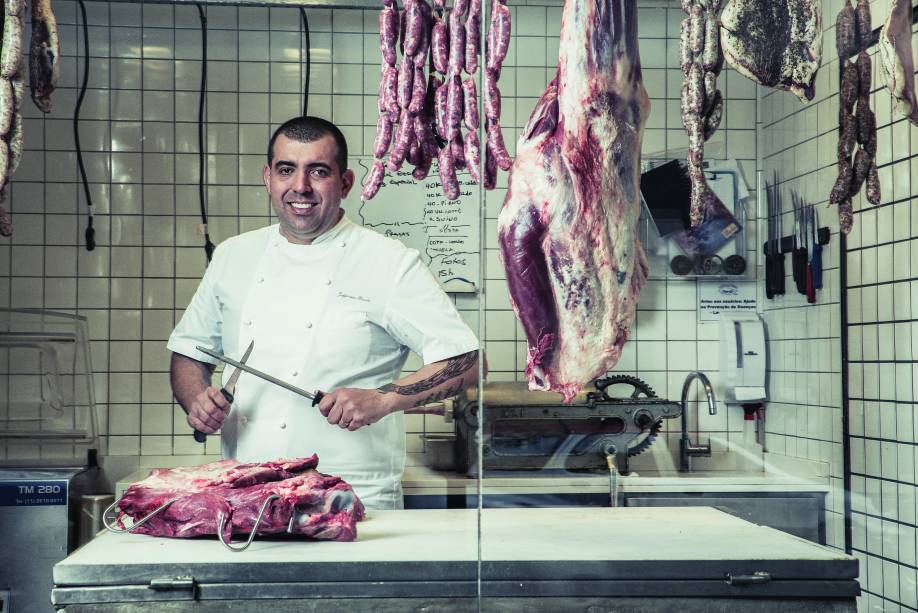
{"x":229,"y":495}
{"x":568,"y":228}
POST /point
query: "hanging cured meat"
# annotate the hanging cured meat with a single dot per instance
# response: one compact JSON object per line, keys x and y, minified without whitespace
{"x":857,"y":129}
{"x":44,"y":54}
{"x":11,"y":92}
{"x":777,"y":43}
{"x":701,"y":103}
{"x":898,"y":63}
{"x":422,"y":117}
{"x":568,"y":227}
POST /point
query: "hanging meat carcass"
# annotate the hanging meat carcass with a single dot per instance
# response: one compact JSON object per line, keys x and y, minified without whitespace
{"x":777,"y":43}
{"x":568,"y":227}
{"x":898,"y":62}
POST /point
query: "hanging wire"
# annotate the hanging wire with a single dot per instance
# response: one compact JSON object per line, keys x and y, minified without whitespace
{"x":90,"y":233}
{"x":308,"y":62}
{"x":208,"y":245}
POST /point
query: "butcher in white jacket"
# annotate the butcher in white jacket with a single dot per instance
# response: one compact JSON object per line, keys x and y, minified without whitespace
{"x":330,"y":306}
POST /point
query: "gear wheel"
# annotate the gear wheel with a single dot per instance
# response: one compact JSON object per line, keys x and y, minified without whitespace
{"x":633,"y":388}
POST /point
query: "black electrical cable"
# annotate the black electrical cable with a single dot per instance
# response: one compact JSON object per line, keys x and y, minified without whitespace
{"x":90,"y":232}
{"x":208,"y":245}
{"x":308,"y":62}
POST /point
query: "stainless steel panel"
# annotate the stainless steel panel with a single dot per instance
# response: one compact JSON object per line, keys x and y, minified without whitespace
{"x":799,"y":515}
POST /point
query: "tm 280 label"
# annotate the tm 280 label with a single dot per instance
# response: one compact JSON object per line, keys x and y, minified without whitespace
{"x":32,"y":493}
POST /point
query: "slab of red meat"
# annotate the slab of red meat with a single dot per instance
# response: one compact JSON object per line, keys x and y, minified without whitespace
{"x":230,"y":494}
{"x":568,"y":227}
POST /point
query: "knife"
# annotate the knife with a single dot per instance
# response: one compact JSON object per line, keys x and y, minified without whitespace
{"x":228,"y":389}
{"x":810,"y":286}
{"x":770,"y":246}
{"x":779,"y":230}
{"x":315,"y":396}
{"x":817,"y":252}
{"x":798,"y":257}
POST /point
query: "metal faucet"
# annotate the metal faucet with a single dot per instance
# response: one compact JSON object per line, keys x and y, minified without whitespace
{"x":687,"y":449}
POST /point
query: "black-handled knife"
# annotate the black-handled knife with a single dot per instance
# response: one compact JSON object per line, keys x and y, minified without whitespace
{"x":228,"y":389}
{"x":315,"y":396}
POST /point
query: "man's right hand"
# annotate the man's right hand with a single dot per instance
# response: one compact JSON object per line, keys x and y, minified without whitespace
{"x":208,"y":410}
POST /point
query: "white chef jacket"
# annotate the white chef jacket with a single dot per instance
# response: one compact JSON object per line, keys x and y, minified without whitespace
{"x":341,"y":312}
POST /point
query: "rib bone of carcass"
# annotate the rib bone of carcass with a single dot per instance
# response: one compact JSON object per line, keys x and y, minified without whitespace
{"x":777,"y":43}
{"x":568,"y":227}
{"x":896,"y":54}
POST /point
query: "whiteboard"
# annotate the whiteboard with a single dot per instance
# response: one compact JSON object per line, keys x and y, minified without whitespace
{"x":447,"y":233}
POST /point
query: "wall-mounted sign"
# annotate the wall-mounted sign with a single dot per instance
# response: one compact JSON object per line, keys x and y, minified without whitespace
{"x":716,"y":297}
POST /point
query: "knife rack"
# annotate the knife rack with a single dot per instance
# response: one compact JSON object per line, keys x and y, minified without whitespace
{"x":787,"y":242}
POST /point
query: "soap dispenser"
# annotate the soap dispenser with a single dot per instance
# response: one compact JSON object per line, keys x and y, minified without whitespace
{"x":743,"y":358}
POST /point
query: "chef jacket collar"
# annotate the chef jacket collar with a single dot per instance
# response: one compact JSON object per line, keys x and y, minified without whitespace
{"x":326,"y":237}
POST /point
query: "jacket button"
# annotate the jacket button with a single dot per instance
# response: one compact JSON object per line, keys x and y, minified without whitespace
{"x":293,"y":373}
{"x":308,"y":324}
{"x":327,"y":281}
{"x":283,"y":426}
{"x":248,"y":322}
{"x":261,"y":280}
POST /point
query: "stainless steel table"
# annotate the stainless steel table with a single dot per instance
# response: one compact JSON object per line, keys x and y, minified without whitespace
{"x":557,"y":559}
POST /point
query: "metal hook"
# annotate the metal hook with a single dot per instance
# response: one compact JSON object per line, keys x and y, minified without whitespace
{"x":136,"y":524}
{"x":222,"y":521}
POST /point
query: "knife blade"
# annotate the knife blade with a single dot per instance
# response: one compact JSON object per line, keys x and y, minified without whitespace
{"x":228,"y":389}
{"x":315,"y":396}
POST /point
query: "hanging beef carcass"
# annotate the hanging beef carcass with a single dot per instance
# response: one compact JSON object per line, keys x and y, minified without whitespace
{"x":777,"y":43}
{"x":568,"y":227}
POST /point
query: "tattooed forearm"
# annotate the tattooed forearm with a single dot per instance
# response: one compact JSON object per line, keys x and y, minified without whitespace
{"x":455,"y":367}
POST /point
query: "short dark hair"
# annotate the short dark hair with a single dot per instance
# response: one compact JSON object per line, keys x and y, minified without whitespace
{"x":307,"y":129}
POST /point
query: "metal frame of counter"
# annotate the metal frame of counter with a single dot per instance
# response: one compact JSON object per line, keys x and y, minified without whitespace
{"x":428,"y":558}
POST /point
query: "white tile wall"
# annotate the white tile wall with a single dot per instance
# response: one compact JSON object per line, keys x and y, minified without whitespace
{"x":806,"y":344}
{"x":139,"y":134}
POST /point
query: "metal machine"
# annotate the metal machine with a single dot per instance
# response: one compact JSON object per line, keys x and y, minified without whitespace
{"x":531,"y":431}
{"x":48,"y":444}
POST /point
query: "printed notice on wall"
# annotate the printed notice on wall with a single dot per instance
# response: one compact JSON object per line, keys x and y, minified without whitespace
{"x":445,"y":232}
{"x":716,"y":297}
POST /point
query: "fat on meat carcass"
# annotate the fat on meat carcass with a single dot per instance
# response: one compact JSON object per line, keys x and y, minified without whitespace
{"x":568,"y":227}
{"x":898,"y":62}
{"x":777,"y":43}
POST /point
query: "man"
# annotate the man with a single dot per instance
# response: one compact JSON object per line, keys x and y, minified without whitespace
{"x":330,"y":306}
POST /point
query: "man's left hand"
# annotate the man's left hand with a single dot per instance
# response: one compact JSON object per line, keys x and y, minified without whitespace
{"x":352,"y":408}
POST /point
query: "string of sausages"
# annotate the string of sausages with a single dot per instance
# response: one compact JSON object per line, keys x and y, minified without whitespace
{"x":11,"y":92}
{"x":425,"y":116}
{"x":44,"y":70}
{"x":853,"y":34}
{"x":701,"y":102}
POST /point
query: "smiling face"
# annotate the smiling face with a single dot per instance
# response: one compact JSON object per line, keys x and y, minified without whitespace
{"x":306,"y":187}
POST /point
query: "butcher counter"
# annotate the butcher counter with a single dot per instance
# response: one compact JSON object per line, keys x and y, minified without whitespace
{"x":548,"y":559}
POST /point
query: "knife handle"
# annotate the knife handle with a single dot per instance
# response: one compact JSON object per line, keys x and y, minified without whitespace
{"x":227,"y":394}
{"x":817,"y":267}
{"x":317,"y":397}
{"x":810,"y":290}
{"x":779,"y":274}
